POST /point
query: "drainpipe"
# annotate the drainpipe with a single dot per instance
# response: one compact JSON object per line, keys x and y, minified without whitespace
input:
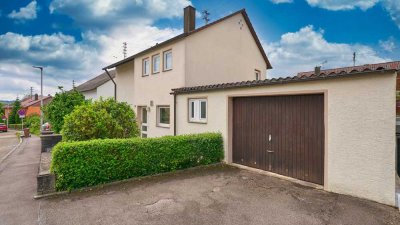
{"x":174,"y":114}
{"x":115,"y":84}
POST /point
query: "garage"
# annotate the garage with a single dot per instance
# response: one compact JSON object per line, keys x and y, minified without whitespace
{"x":281,"y":134}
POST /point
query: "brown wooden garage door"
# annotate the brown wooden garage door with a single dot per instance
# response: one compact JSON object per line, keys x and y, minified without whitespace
{"x":281,"y":134}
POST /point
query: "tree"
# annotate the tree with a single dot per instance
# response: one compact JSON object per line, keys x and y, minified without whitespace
{"x":14,"y":117}
{"x":62,"y":104}
{"x":33,"y":123}
{"x":99,"y":120}
{"x":1,"y":111}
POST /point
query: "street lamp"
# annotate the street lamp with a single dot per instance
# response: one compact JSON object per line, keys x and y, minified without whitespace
{"x":41,"y":95}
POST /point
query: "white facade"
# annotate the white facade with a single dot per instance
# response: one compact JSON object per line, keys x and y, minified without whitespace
{"x":359,"y":129}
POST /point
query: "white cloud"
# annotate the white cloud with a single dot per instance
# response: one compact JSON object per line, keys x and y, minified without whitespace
{"x":303,"y":50}
{"x":342,"y":4}
{"x":388,"y":45}
{"x":281,"y":1}
{"x":25,"y":13}
{"x":393,"y":8}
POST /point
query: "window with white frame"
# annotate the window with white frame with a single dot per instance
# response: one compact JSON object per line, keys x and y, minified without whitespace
{"x":163,"y":116}
{"x":198,"y":110}
{"x":168,"y":60}
{"x":156,"y":63}
{"x":258,"y":75}
{"x":146,"y":67}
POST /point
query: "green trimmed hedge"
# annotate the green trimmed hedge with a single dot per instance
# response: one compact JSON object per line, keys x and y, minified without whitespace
{"x":88,"y":163}
{"x":15,"y":126}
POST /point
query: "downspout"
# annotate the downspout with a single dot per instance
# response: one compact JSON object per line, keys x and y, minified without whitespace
{"x":115,"y":84}
{"x":174,"y":114}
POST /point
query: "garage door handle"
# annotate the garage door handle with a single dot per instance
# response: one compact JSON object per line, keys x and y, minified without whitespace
{"x":270,"y":151}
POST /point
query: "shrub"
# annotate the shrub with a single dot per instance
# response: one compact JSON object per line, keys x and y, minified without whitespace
{"x":99,"y":120}
{"x":15,"y":126}
{"x":33,"y":123}
{"x":62,"y":104}
{"x":88,"y":163}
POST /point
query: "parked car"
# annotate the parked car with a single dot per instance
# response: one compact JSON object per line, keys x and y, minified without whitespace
{"x":3,"y":127}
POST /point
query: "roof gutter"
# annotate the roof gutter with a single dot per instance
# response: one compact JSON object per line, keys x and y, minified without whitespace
{"x":115,"y":84}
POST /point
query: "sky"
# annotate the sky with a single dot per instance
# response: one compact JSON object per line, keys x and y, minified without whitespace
{"x":74,"y":39}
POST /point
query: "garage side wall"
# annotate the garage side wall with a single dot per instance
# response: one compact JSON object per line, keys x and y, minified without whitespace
{"x":359,"y":129}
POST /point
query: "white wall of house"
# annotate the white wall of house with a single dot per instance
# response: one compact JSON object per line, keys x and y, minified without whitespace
{"x":359,"y":129}
{"x":225,"y":52}
{"x":105,"y":90}
{"x":220,"y":53}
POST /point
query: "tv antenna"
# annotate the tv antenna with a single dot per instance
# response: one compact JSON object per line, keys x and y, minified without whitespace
{"x":354,"y":58}
{"x":124,"y":49}
{"x":205,"y":16}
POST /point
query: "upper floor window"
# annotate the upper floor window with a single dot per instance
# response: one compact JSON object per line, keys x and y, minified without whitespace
{"x":146,"y":67}
{"x":156,"y":63}
{"x":198,"y":110}
{"x":168,"y":60}
{"x":258,"y":74}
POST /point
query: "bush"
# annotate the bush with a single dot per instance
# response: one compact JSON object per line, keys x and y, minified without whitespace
{"x":62,"y":104}
{"x":33,"y":123}
{"x":100,"y":120}
{"x":88,"y":163}
{"x":15,"y":126}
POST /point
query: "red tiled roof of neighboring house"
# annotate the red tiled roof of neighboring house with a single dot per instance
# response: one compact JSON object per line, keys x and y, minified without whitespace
{"x":184,"y":35}
{"x":351,"y":69}
{"x":385,"y":67}
{"x":34,"y":102}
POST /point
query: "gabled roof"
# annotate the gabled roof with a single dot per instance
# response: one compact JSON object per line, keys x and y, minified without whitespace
{"x":281,"y":80}
{"x":367,"y":67}
{"x":184,"y":35}
{"x":95,"y":82}
{"x":46,"y":99}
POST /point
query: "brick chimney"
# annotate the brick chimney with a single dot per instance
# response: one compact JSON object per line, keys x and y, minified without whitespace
{"x":189,"y":19}
{"x":36,"y":97}
{"x":317,"y":70}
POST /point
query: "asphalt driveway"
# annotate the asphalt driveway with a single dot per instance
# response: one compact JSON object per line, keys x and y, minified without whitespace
{"x":216,"y":195}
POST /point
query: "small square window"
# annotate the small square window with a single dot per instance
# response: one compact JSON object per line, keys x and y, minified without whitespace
{"x":258,"y":74}
{"x":163,"y":116}
{"x":198,"y":110}
{"x":156,"y":63}
{"x":168,"y":60}
{"x":146,"y":67}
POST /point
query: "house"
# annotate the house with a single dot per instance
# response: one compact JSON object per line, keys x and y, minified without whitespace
{"x":100,"y":86}
{"x":334,"y":128}
{"x":31,"y":105}
{"x":226,"y":50}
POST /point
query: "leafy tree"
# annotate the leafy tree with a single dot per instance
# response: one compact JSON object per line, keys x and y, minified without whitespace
{"x":33,"y":122}
{"x":99,"y":120}
{"x":62,"y":104}
{"x":14,"y":117}
{"x":1,"y":111}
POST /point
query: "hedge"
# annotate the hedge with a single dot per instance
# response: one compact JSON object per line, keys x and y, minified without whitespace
{"x":88,"y":163}
{"x":15,"y":126}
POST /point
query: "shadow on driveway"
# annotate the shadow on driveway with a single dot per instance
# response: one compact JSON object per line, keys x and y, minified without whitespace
{"x":214,"y":195}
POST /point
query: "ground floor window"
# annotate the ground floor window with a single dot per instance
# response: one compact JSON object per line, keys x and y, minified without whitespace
{"x":163,"y":116}
{"x":198,"y":110}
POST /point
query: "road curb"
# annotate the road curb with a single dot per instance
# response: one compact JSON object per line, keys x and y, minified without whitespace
{"x":12,"y":150}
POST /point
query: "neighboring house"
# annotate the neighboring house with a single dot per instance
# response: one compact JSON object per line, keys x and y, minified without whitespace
{"x":226,"y":50}
{"x":334,"y":128}
{"x":30,"y":104}
{"x":100,"y":86}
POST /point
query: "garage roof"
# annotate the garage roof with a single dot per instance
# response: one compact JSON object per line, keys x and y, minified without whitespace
{"x":95,"y":82}
{"x":282,"y":80}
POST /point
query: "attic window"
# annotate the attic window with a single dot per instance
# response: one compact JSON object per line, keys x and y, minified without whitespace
{"x":258,"y":74}
{"x":167,"y":60}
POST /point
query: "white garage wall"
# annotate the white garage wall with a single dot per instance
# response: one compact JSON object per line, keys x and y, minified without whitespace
{"x":359,"y":129}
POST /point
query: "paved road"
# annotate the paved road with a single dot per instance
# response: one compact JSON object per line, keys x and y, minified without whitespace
{"x":8,"y":140}
{"x":216,"y":195}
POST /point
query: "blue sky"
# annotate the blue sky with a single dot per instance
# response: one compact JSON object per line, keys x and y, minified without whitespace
{"x":74,"y":39}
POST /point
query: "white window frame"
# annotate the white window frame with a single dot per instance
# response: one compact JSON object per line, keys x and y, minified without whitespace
{"x":165,"y":60}
{"x":145,"y":67}
{"x":153,"y":71}
{"x":159,"y":124}
{"x":144,"y":124}
{"x":258,"y":74}
{"x":196,"y":110}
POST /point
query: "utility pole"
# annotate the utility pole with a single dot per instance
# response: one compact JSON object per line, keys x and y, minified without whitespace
{"x":205,"y":16}
{"x":124,"y":48}
{"x":41,"y":95}
{"x":354,"y":58}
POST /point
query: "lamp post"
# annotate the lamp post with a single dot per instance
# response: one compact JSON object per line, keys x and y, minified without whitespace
{"x":41,"y":95}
